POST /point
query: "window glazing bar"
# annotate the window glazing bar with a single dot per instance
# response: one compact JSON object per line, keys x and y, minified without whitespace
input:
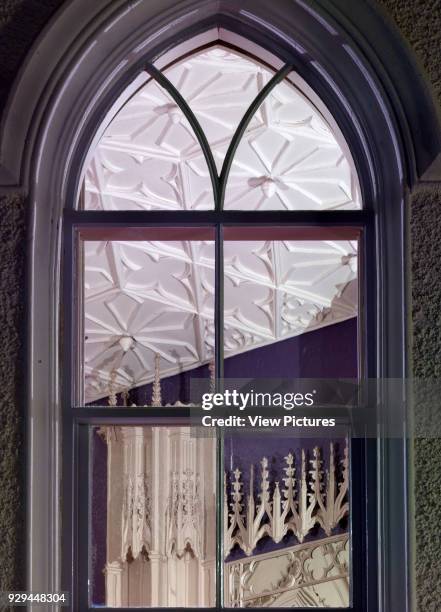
{"x":191,"y":117}
{"x":85,"y":218}
{"x":244,"y":122}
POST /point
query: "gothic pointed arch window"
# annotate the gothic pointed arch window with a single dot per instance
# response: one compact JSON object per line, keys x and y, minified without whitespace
{"x":219,"y":237}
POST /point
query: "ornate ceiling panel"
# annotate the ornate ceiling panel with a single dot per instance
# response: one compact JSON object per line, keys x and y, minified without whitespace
{"x":148,"y":298}
{"x":219,"y":85}
{"x":148,"y":159}
{"x":289,"y":158}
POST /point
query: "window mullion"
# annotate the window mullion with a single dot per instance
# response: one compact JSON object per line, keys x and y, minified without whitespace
{"x":219,"y":368}
{"x":241,"y":128}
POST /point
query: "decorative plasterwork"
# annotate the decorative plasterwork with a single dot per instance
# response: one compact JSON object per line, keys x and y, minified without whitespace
{"x":289,"y":159}
{"x":219,"y":85}
{"x":310,"y":575}
{"x":160,"y":543}
{"x":144,"y":299}
{"x":310,"y":496}
{"x":149,"y":158}
{"x":185,"y":512}
{"x":136,"y":514}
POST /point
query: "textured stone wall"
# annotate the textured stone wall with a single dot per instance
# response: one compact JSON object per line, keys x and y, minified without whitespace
{"x":426,"y":317}
{"x":12,"y":296}
{"x":419,"y":22}
{"x":21,"y":21}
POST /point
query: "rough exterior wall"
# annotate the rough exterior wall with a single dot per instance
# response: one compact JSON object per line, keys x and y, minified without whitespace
{"x":419,"y":23}
{"x":426,"y":315}
{"x":12,"y":271}
{"x":20,"y":23}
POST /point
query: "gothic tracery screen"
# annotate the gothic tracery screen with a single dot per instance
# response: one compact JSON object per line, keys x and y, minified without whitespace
{"x":179,"y":517}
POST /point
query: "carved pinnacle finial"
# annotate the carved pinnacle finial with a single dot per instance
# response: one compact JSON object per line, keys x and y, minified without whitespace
{"x":112,"y":400}
{"x":212,"y":370}
{"x":312,"y":495}
{"x":156,"y":395}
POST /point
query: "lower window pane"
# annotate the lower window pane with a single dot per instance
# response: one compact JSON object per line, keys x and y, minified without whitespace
{"x":153,"y":517}
{"x":286,"y":517}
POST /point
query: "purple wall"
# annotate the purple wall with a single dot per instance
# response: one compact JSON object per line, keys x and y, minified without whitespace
{"x":329,"y":352}
{"x":242,"y":451}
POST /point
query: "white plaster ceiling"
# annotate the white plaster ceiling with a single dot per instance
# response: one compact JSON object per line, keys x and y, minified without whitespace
{"x":148,"y":157}
{"x":143,"y":298}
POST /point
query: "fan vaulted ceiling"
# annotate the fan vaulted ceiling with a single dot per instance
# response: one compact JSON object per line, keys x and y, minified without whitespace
{"x":289,"y":157}
{"x":145,"y":298}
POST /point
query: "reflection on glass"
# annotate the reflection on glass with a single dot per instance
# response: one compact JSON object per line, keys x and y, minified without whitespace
{"x":290,"y":158}
{"x":148,"y":320}
{"x":286,"y":521}
{"x":289,"y":306}
{"x":153,"y":517}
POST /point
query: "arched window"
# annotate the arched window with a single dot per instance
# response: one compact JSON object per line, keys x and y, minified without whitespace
{"x":179,"y":241}
{"x":206,"y":252}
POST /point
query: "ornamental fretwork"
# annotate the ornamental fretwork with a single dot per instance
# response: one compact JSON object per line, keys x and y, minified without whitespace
{"x":310,"y":495}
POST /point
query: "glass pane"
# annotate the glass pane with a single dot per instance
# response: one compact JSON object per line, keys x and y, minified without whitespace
{"x":148,"y":158}
{"x":291,"y":158}
{"x":153,"y":517}
{"x":289,"y":304}
{"x":219,"y":84}
{"x":287,"y":532}
{"x":148,"y":315}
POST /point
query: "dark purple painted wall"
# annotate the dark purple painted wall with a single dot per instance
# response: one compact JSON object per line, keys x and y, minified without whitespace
{"x":329,"y":352}
{"x":242,"y":451}
{"x":98,"y":517}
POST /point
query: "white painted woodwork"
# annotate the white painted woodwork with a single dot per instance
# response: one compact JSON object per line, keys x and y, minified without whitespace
{"x":161,"y":518}
{"x":310,"y":575}
{"x":308,"y":496}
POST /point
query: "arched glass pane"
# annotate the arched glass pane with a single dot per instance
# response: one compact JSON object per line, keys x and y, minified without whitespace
{"x":148,"y":158}
{"x":290,"y":321}
{"x":219,"y":84}
{"x":291,"y":158}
